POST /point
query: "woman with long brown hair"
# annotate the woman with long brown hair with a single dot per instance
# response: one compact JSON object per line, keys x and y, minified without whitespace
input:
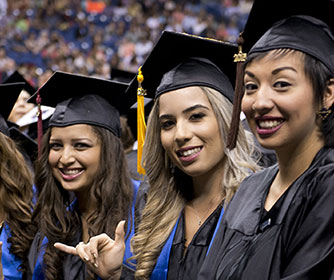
{"x":84,"y":187}
{"x":16,"y":194}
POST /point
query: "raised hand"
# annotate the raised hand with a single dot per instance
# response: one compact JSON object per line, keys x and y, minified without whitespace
{"x":103,"y":254}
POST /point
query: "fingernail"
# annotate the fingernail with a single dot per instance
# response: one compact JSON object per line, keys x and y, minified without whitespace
{"x":86,"y":258}
{"x":95,"y":256}
{"x":95,"y":264}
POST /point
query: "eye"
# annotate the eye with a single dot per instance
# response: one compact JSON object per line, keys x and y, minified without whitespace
{"x":281,"y":84}
{"x":167,"y":124}
{"x":55,"y":146}
{"x":197,"y":116}
{"x":250,"y":87}
{"x":81,"y":145}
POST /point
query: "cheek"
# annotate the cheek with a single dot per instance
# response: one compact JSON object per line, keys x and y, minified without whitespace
{"x":53,"y":158}
{"x":166,"y":140}
{"x":246,"y":105}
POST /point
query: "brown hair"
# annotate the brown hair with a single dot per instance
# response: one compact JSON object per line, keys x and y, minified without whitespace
{"x":16,"y":198}
{"x":112,"y":191}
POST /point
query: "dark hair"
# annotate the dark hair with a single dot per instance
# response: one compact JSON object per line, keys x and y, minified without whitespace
{"x":319,"y":76}
{"x":16,"y":194}
{"x":112,"y":191}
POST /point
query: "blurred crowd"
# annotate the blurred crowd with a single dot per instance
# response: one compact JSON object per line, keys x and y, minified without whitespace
{"x":90,"y":37}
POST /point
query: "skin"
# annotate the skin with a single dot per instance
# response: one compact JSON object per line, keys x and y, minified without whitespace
{"x":21,"y":107}
{"x":278,"y":90}
{"x":74,"y":158}
{"x":187,"y":120}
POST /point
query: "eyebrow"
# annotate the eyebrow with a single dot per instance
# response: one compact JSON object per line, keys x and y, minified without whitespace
{"x":185,"y":111}
{"x":274,"y":72}
{"x":277,"y":70}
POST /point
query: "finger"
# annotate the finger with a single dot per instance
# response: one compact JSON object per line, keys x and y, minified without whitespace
{"x":65,"y":248}
{"x":120,"y":233}
{"x":83,"y":252}
{"x":96,"y":243}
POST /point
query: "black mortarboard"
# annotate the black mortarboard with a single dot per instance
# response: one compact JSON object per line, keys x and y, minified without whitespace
{"x":16,"y":77}
{"x":303,"y":25}
{"x":9,"y":94}
{"x":26,"y":144}
{"x":81,"y":99}
{"x":121,"y":75}
{"x":180,"y":60}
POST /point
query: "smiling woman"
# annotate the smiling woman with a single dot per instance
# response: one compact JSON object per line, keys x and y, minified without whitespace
{"x":81,"y":157}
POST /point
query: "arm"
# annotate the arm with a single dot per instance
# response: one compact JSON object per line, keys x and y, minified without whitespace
{"x":103,"y":254}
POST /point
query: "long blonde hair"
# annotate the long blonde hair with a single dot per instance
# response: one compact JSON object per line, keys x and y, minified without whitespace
{"x":165,"y":200}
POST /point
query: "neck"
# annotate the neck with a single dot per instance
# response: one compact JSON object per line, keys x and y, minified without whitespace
{"x":294,"y":162}
{"x":208,"y":186}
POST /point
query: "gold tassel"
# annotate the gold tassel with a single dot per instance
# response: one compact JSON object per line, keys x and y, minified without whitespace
{"x":239,"y":58}
{"x":141,"y":125}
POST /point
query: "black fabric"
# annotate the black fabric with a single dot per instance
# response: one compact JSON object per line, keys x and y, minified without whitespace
{"x":265,"y":13}
{"x":299,"y":244}
{"x":303,"y":33}
{"x":186,"y":266}
{"x":82,"y":99}
{"x":196,"y":71}
{"x":174,"y":48}
{"x":16,"y":77}
{"x":8,"y":94}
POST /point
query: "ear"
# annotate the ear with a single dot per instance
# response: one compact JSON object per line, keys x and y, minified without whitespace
{"x":328,"y":100}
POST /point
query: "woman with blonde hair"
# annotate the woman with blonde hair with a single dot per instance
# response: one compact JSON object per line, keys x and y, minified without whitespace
{"x":191,"y":172}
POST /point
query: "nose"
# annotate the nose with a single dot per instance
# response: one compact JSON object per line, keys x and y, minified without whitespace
{"x":66,"y":156}
{"x":263,"y":101}
{"x":182,"y":133}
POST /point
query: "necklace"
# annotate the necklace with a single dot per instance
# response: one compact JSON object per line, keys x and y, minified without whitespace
{"x":199,"y":219}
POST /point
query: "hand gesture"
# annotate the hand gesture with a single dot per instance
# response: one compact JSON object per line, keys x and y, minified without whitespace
{"x":103,"y":254}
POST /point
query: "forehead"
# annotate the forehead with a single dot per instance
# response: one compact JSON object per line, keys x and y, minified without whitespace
{"x":277,"y":57}
{"x":73,"y":131}
{"x":181,"y":99}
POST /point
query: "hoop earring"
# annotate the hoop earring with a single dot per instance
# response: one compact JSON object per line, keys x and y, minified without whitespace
{"x":324,"y":113}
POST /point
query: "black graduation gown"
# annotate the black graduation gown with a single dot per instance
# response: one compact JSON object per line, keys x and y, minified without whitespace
{"x":297,"y":242}
{"x":184,"y":267}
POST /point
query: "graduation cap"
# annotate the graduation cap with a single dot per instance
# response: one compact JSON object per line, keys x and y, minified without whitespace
{"x":16,"y":77}
{"x":9,"y":94}
{"x":121,"y":75}
{"x":80,"y":99}
{"x":27,"y":145}
{"x":180,"y":60}
{"x":303,"y":25}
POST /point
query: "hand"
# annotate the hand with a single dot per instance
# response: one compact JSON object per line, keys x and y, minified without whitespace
{"x":103,"y":254}
{"x":1,"y":272}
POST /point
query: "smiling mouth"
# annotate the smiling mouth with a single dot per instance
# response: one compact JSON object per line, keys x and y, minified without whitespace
{"x":70,"y":174}
{"x":269,"y":124}
{"x":190,"y":152}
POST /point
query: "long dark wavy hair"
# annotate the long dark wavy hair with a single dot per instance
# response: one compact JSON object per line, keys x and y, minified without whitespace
{"x":111,"y":190}
{"x":16,"y":194}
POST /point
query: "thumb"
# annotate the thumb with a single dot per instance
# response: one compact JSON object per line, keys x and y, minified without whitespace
{"x":0,"y":250}
{"x":119,"y":232}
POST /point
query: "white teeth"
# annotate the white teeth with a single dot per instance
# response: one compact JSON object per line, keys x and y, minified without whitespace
{"x":269,"y":124}
{"x":71,"y":171}
{"x":190,"y":152}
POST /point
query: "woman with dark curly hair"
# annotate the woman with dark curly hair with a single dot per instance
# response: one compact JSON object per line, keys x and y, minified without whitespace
{"x":84,"y":187}
{"x":15,"y":194}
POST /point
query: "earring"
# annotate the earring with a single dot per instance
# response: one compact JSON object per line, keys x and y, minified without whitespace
{"x":253,"y":107}
{"x":324,"y":113}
